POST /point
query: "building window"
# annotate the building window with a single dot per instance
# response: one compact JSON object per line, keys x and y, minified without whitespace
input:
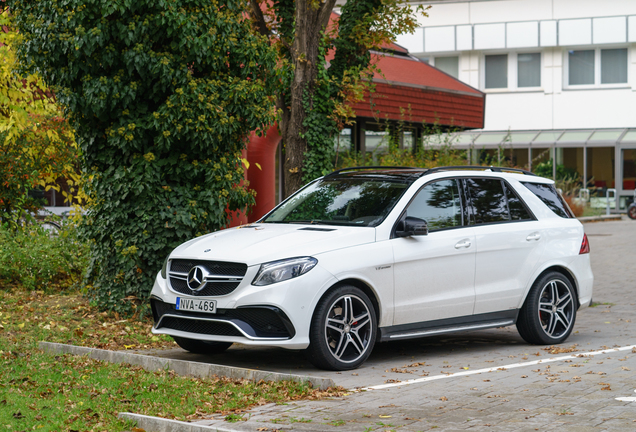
{"x":581,"y":67}
{"x":614,"y":66}
{"x":497,"y":71}
{"x":529,"y":70}
{"x":597,"y":67}
{"x":450,"y":65}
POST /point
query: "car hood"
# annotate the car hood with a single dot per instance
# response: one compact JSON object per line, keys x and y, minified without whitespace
{"x":259,"y":243}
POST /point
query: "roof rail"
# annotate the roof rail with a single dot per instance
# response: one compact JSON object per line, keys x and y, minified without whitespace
{"x":372,"y":167}
{"x":436,"y":169}
{"x":480,"y":167}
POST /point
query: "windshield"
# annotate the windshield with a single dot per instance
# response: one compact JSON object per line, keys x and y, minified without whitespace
{"x":343,"y":201}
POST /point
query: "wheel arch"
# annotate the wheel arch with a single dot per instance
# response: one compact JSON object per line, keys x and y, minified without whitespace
{"x":364,"y":287}
{"x":565,"y":272}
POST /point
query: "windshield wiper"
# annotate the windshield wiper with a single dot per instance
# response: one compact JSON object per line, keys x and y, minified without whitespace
{"x":310,"y":221}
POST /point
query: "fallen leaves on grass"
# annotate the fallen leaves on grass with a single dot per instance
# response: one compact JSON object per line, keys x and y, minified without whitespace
{"x":68,"y":318}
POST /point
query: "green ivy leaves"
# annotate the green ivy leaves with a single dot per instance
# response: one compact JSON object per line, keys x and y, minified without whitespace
{"x":162,"y":95}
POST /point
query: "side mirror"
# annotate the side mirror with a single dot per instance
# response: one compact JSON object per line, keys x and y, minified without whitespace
{"x":412,"y":226}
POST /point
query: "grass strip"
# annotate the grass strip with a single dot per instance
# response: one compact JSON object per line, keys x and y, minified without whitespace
{"x":40,"y":391}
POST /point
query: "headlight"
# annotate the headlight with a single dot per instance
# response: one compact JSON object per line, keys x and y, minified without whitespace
{"x":278,"y":271}
{"x":164,"y":269}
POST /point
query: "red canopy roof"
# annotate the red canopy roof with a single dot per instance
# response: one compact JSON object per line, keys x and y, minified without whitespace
{"x":410,"y":90}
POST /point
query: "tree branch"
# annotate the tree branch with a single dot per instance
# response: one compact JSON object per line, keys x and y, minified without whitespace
{"x":325,"y":14}
{"x":258,"y":19}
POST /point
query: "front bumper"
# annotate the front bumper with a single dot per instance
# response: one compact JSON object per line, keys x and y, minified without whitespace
{"x":274,"y":315}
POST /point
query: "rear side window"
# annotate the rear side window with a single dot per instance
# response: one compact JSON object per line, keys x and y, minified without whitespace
{"x":518,"y":211}
{"x":550,"y":197}
{"x":488,"y":200}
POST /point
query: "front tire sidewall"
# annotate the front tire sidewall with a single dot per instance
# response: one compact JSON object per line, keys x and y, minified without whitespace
{"x":529,"y":324}
{"x":319,"y":352}
{"x":631,"y":211}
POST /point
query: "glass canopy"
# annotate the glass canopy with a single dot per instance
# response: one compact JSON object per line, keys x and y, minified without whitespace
{"x":545,"y":138}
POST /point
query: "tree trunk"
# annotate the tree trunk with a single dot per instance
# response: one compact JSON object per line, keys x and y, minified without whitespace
{"x":310,"y":22}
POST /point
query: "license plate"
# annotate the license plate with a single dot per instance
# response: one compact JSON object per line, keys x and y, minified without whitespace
{"x":195,"y":305}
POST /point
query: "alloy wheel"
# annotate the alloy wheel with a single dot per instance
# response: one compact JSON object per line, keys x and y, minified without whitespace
{"x":556,"y":308}
{"x":348,"y":328}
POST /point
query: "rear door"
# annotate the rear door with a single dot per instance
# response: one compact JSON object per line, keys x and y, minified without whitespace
{"x":434,"y":274}
{"x":508,"y":243}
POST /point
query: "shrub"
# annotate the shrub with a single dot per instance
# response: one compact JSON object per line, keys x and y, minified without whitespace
{"x":36,"y":259}
{"x":162,"y":96}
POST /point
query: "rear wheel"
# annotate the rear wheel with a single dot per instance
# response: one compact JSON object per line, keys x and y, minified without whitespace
{"x":631,"y":211}
{"x":343,"y":330}
{"x":201,"y":347}
{"x":548,"y":315}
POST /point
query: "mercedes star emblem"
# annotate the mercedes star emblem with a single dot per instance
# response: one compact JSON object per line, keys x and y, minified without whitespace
{"x":196,"y":278}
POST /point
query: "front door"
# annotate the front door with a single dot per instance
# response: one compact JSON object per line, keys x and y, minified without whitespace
{"x":435,"y":274}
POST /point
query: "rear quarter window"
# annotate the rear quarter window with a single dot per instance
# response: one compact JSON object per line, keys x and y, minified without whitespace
{"x":550,"y":197}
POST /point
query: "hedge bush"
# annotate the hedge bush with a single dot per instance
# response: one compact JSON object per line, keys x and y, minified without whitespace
{"x":37,"y":259}
{"x":162,"y":95}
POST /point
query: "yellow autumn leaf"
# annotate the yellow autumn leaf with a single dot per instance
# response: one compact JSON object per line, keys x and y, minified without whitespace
{"x":258,"y":166}
{"x":385,"y":416}
{"x":21,"y":325}
{"x":129,"y":346}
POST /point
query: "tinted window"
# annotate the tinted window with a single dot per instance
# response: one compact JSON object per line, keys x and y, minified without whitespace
{"x":438,"y":204}
{"x":550,"y":197}
{"x":348,"y":201}
{"x":488,"y":200}
{"x":517,"y":209}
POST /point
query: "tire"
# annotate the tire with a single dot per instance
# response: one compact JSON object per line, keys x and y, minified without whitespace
{"x":343,"y":330}
{"x":549,"y":312}
{"x":201,"y":347}
{"x":631,"y":211}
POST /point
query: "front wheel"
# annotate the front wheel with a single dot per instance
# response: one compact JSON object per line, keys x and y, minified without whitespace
{"x":201,"y":347}
{"x":631,"y":211}
{"x":343,"y":330}
{"x":548,"y":314}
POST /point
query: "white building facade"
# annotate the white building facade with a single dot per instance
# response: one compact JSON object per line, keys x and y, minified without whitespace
{"x":560,"y":79}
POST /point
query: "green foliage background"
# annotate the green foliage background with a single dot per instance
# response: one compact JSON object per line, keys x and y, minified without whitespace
{"x":162,"y":94}
{"x":34,"y":258}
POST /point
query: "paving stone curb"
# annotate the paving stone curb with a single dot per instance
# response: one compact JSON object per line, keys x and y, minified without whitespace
{"x":158,"y":424}
{"x":183,"y":367}
{"x":602,"y":218}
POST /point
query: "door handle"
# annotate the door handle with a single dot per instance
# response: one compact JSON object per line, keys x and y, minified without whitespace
{"x":463,"y":244}
{"x":533,"y":236}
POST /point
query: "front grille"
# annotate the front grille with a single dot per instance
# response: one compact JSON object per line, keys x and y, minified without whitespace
{"x":214,"y":267}
{"x":200,"y":326}
{"x":219,"y":286}
{"x":211,"y":288}
{"x":254,"y":321}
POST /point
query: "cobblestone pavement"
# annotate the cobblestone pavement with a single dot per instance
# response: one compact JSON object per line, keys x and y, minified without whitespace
{"x":576,"y":393}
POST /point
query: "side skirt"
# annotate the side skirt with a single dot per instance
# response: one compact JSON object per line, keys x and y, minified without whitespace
{"x":450,"y":325}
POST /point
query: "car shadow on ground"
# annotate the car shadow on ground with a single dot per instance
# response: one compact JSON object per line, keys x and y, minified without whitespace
{"x":474,"y":348}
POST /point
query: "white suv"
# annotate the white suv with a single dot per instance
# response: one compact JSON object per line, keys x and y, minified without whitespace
{"x":366,"y":255}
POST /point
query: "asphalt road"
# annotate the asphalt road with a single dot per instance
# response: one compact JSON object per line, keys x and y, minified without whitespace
{"x":439,"y":383}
